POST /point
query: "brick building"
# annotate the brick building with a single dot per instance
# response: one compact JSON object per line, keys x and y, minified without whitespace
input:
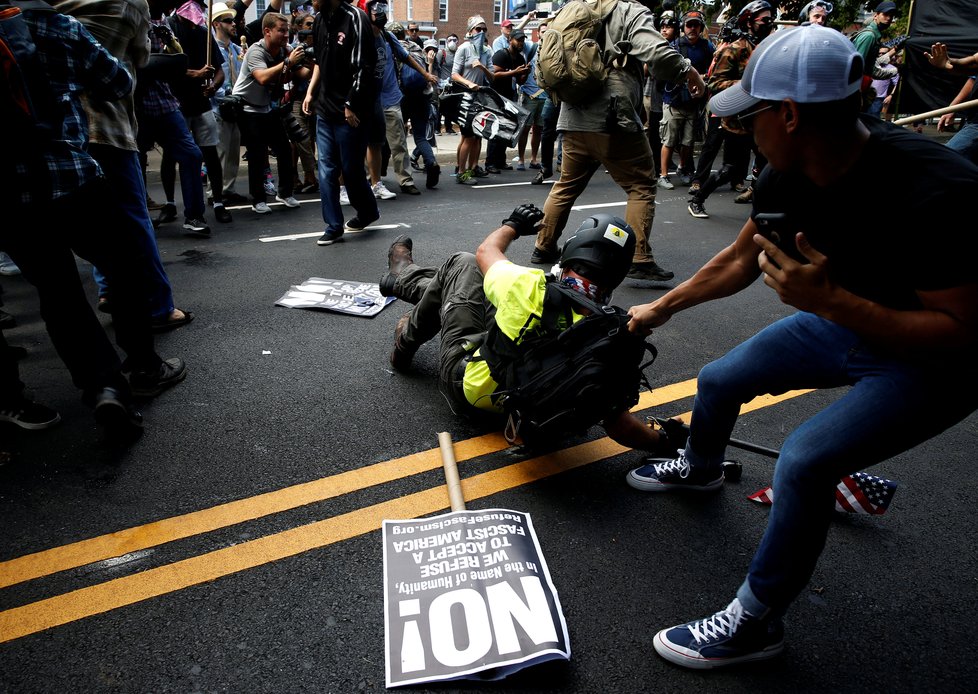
{"x":439,"y":18}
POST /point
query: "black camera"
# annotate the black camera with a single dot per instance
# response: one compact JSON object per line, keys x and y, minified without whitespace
{"x":303,"y":34}
{"x":293,"y":127}
{"x":309,"y":54}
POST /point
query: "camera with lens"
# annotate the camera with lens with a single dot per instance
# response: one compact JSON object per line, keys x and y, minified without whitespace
{"x":293,"y":127}
{"x":309,"y":54}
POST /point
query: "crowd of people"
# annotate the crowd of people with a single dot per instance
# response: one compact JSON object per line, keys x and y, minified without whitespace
{"x":895,"y":338}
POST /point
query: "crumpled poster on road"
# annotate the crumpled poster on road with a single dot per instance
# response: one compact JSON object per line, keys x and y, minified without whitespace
{"x":468,"y":595}
{"x":341,"y":296}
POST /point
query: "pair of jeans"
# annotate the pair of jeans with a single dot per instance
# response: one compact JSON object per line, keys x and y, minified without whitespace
{"x":965,"y":141}
{"x":415,"y":108}
{"x":171,"y":132}
{"x":891,"y":405}
{"x":261,"y":131}
{"x":628,"y":159}
{"x":342,"y":149}
{"x":123,"y":173}
{"x":43,"y":241}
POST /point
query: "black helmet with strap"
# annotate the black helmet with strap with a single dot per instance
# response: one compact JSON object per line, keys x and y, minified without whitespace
{"x":600,"y":250}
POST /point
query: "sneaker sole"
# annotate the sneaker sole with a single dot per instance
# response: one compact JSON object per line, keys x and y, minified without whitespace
{"x":642,"y":484}
{"x":701,"y":215}
{"x":677,"y":657}
{"x":152,"y":392}
{"x":330,"y":242}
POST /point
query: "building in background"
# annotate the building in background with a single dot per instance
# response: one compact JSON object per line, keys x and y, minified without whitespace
{"x":439,"y":18}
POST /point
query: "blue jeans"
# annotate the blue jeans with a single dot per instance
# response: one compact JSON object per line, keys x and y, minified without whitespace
{"x":171,"y":132}
{"x":965,"y":141}
{"x":342,"y":150}
{"x":123,"y":173}
{"x":416,"y":109}
{"x":891,"y":406}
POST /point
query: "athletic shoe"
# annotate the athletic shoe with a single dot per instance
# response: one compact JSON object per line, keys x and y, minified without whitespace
{"x":466,"y":178}
{"x":492,"y":169}
{"x":745,"y":198}
{"x":535,"y":165}
{"x":116,"y":415}
{"x":29,"y":415}
{"x":685,"y":178}
{"x":261,"y":208}
{"x":329,"y":238}
{"x":521,"y":167}
{"x":344,"y":196}
{"x":542,"y":256}
{"x":697,"y":210}
{"x":356,"y":224}
{"x":196,"y":225}
{"x":310,"y":187}
{"x":168,"y":213}
{"x":650,"y":272}
{"x":381,"y":192}
{"x":148,"y":384}
{"x":270,"y":187}
{"x":221,"y":214}
{"x":665,"y":183}
{"x":410,"y":190}
{"x":290,"y":201}
{"x":432,"y":173}
{"x":730,"y":636}
{"x":664,"y":474}
{"x":479,"y":172}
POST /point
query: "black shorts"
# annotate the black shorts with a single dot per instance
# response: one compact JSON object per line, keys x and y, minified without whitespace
{"x":377,"y":126}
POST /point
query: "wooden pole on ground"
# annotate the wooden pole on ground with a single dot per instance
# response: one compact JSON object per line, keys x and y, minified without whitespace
{"x":963,"y":106}
{"x":451,"y":472}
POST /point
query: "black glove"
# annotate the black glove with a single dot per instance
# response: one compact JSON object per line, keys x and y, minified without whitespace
{"x":525,"y":220}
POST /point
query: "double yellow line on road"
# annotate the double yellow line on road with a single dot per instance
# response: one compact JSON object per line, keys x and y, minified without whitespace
{"x":86,"y":602}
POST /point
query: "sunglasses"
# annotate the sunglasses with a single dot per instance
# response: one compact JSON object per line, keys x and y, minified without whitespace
{"x":479,"y":30}
{"x":412,"y":28}
{"x":693,"y":25}
{"x":745,"y":121}
{"x":226,"y":20}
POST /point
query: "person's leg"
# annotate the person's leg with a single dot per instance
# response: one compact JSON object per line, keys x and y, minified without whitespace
{"x":351,"y":144}
{"x":711,"y":147}
{"x":548,"y":138}
{"x":168,"y":176}
{"x":278,"y":141}
{"x":578,"y":167}
{"x":122,"y":171}
{"x":965,"y":141}
{"x":536,"y":131}
{"x":304,"y":149}
{"x":397,"y":141}
{"x":229,"y":149}
{"x":628,"y":158}
{"x":175,"y":139}
{"x":254,"y":139}
{"x":415,"y":109}
{"x":330,"y":167}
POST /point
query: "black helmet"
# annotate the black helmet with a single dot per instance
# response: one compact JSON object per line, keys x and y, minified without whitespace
{"x":751,"y":9}
{"x":600,"y":250}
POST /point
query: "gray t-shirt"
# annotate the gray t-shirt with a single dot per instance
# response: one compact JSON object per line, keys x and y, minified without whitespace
{"x":257,"y":98}
{"x":465,"y":57}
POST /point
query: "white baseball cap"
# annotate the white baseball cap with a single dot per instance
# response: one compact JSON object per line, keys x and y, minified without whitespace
{"x":810,"y":64}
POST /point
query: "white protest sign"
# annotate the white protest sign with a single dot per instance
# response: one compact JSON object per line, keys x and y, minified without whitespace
{"x":468,"y":594}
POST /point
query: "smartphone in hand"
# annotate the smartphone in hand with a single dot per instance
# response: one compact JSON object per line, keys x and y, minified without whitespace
{"x":775,"y":228}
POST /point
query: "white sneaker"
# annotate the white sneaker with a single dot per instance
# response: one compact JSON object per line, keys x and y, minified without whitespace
{"x":665,"y":183}
{"x":270,"y":188}
{"x":344,"y":196}
{"x":261,"y":208}
{"x":8,"y":266}
{"x":288,"y":202}
{"x":381,"y":192}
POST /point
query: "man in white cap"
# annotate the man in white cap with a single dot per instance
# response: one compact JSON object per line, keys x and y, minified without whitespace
{"x":896,"y":338}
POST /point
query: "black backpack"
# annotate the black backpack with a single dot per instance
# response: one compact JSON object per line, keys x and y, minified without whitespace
{"x":562,"y":380}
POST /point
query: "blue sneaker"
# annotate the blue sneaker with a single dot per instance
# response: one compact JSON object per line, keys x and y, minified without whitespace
{"x":729,"y":637}
{"x":663,"y":474}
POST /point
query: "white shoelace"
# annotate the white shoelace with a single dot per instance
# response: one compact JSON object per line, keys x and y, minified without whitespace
{"x":723,"y":623}
{"x":678,"y":465}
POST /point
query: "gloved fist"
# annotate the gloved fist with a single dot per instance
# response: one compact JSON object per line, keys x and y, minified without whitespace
{"x":525,"y":220}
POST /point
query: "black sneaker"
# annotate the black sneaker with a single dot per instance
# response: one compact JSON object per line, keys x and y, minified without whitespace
{"x":149,"y":384}
{"x":221,"y":214}
{"x":196,"y":225}
{"x":356,"y":224}
{"x":479,"y":172}
{"x":492,"y":169}
{"x":168,"y":213}
{"x":330,"y":237}
{"x":431,"y":176}
{"x":732,"y":635}
{"x":544,"y":257}
{"x":115,"y":414}
{"x":697,"y":210}
{"x":664,"y":474}
{"x":29,"y":415}
{"x":650,"y":272}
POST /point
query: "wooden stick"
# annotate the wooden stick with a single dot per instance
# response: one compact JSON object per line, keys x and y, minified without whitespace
{"x":963,"y":106}
{"x":210,"y":24}
{"x":451,"y":471}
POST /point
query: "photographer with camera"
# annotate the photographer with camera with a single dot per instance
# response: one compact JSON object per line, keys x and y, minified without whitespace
{"x":302,"y":150}
{"x":268,"y":67}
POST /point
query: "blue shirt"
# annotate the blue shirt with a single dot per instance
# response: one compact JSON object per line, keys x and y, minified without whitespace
{"x":390,"y":90}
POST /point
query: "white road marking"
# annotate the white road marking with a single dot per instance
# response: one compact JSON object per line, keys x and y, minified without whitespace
{"x":294,"y":237}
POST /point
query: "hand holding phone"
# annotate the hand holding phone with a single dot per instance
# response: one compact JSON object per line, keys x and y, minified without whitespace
{"x":775,"y":228}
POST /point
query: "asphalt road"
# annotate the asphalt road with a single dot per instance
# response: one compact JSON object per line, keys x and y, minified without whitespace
{"x":256,"y":493}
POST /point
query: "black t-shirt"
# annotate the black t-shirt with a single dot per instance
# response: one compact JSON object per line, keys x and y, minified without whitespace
{"x":899,"y":221}
{"x":194,"y":39}
{"x":507,"y":61}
